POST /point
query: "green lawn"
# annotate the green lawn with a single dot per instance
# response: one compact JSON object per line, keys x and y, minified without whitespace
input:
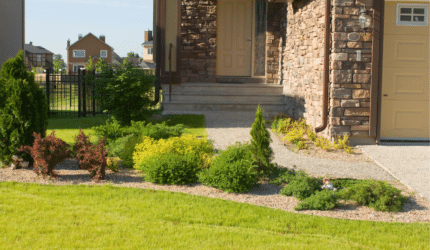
{"x":67,"y":128}
{"x":36,"y":216}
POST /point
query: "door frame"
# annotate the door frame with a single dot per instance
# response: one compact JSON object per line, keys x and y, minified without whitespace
{"x":252,"y":64}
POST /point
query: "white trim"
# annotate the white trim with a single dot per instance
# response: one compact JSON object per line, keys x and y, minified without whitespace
{"x":420,"y":1}
{"x":77,"y":65}
{"x":412,"y":6}
{"x":39,"y":58}
{"x":74,"y":56}
{"x":101,"y":56}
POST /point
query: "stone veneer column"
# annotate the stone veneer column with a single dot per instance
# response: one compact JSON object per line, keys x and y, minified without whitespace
{"x":303,"y":57}
{"x":198,"y":34}
{"x":349,"y":77}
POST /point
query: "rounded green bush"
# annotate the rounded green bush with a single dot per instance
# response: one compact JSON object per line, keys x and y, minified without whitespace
{"x":129,"y":148}
{"x":320,"y":200}
{"x":302,"y":187}
{"x":375,"y":194}
{"x":172,"y":169}
{"x":232,"y":170}
{"x":23,"y":108}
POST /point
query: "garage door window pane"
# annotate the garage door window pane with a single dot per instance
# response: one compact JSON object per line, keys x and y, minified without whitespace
{"x":412,"y":14}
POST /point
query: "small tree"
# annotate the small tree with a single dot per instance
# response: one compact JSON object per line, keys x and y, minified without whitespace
{"x":23,"y":108}
{"x":58,"y":63}
{"x":260,"y":144}
{"x":101,"y":65}
{"x":90,"y":65}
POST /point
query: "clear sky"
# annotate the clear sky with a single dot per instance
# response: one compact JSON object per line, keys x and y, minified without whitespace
{"x":49,"y":23}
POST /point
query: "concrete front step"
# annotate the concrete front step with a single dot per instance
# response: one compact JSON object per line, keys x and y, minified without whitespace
{"x":186,"y":106}
{"x":224,"y":98}
{"x":225,"y":88}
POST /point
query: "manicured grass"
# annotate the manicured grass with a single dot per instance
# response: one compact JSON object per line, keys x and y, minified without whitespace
{"x":67,"y":128}
{"x":36,"y":216}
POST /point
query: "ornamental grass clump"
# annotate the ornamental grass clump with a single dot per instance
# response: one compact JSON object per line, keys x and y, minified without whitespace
{"x":47,"y":153}
{"x":23,"y":108}
{"x":232,"y":170}
{"x":262,"y":153}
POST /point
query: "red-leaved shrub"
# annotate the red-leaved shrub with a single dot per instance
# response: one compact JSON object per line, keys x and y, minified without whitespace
{"x":47,"y":152}
{"x":91,"y":157}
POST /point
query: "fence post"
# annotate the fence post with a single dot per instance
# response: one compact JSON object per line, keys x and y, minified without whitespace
{"x":47,"y":85}
{"x":84,"y":96}
{"x":79,"y":92}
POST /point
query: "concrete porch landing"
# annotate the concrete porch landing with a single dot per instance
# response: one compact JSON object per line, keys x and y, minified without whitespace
{"x":197,"y":97}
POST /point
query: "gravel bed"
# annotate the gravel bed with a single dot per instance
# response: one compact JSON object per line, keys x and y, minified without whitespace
{"x":226,"y":128}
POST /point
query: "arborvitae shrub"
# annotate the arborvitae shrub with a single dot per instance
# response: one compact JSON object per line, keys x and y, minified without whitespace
{"x":232,"y":170}
{"x":23,"y":108}
{"x":171,"y":169}
{"x":376,"y":194}
{"x":302,"y":187}
{"x":262,"y":153}
{"x":320,"y":200}
{"x":116,"y":148}
{"x":47,"y":152}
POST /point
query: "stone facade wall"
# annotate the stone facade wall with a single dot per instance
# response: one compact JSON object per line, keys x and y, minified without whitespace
{"x":303,"y":69}
{"x":198,"y":34}
{"x":303,"y":58}
{"x":350,"y":76}
{"x":275,"y":12}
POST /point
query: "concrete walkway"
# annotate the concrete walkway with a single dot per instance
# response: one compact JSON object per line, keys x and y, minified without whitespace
{"x":407,"y":162}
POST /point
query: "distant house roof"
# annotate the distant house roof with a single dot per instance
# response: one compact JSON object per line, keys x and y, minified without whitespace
{"x":117,"y":57}
{"x":147,"y":65}
{"x":36,"y":49}
{"x":86,"y":36}
{"x":148,"y":43}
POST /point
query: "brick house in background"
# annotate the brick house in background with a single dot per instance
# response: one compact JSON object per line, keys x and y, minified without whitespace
{"x":148,"y":47}
{"x":38,"y":56}
{"x":12,"y":29}
{"x":79,"y":52}
{"x":371,"y":83}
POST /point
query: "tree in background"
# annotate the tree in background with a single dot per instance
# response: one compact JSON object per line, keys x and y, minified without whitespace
{"x":58,"y":63}
{"x":101,"y":65}
{"x":132,"y":54}
{"x":90,"y":65}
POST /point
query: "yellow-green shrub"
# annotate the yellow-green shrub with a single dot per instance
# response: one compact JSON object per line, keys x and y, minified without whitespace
{"x":113,"y":163}
{"x":343,"y":143}
{"x":294,"y":135}
{"x":183,"y":145}
{"x":323,"y":143}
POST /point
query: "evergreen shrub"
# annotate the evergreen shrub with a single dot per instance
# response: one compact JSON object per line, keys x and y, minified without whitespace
{"x":375,"y":194}
{"x":172,"y":169}
{"x":129,"y":148}
{"x":185,"y":144}
{"x":232,"y":170}
{"x":23,"y":108}
{"x":302,"y":187}
{"x":47,"y":152}
{"x":320,"y":200}
{"x":262,"y":153}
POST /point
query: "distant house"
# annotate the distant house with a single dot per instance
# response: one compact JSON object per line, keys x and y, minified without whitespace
{"x":148,"y":51}
{"x":117,"y":60}
{"x":37,"y":56}
{"x":79,"y":52}
{"x":12,"y":29}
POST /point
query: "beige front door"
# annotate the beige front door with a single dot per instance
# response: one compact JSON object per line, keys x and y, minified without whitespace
{"x":234,"y":37}
{"x":405,"y":80}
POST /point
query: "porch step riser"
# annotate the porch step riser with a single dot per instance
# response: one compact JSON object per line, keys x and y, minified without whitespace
{"x":224,"y":90}
{"x":226,"y":98}
{"x":221,"y":107}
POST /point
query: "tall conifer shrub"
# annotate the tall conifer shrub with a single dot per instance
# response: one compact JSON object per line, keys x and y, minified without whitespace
{"x":23,"y":108}
{"x":260,"y":144}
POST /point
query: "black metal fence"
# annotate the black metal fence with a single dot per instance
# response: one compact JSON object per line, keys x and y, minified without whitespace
{"x":70,"y":95}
